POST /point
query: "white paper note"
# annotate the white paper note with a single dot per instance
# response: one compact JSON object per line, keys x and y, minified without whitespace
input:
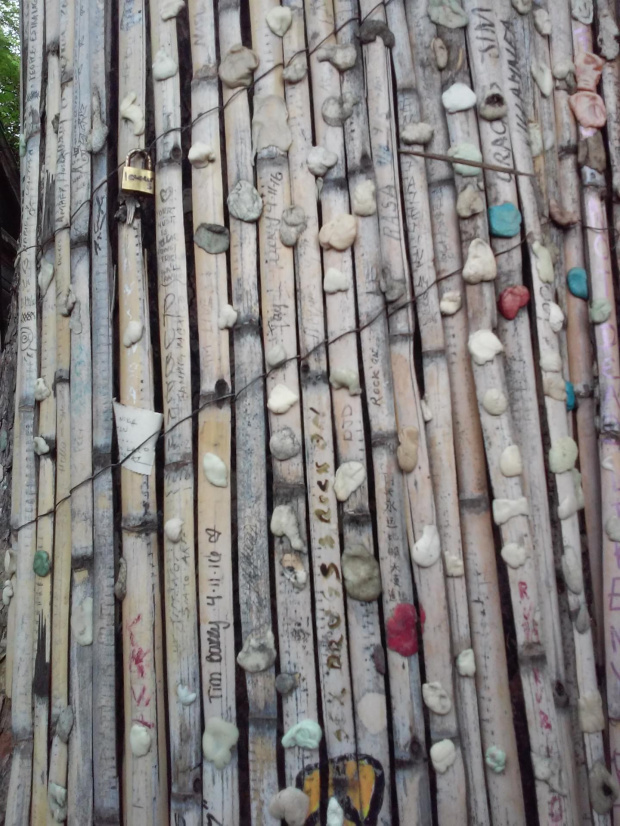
{"x":137,"y":428}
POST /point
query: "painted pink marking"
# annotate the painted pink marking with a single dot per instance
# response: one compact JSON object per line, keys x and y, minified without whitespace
{"x":544,"y":719}
{"x":556,"y":810}
{"x":142,"y":722}
{"x":141,"y":698}
{"x":523,"y":590}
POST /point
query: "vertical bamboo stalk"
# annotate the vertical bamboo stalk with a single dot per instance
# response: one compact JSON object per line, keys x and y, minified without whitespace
{"x":18,"y":800}
{"x":580,"y":356}
{"x":215,"y":566}
{"x":579,"y":353}
{"x":105,"y":768}
{"x":499,"y":433}
{"x":483,"y":34}
{"x":440,"y":427}
{"x":405,"y":691}
{"x":182,"y":654}
{"x":252,"y":531}
{"x":294,"y":599}
{"x":601,"y":271}
{"x":451,"y":794}
{"x":599,"y":261}
{"x":505,"y":793}
{"x":555,"y":410}
{"x":47,"y":429}
{"x":80,"y":777}
{"x":61,"y":582}
{"x":145,"y":777}
{"x":368,"y":684}
{"x":279,"y":307}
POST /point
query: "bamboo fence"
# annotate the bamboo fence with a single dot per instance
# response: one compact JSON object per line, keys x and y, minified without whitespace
{"x":316,"y":436}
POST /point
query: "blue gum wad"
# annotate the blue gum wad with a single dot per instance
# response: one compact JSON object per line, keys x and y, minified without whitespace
{"x":504,"y":220}
{"x":578,"y":282}
{"x":571,"y":401}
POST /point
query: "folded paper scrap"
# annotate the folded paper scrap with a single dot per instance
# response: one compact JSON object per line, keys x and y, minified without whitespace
{"x":137,"y":432}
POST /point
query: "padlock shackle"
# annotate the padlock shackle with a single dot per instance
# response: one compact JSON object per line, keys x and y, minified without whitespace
{"x":143,"y":154}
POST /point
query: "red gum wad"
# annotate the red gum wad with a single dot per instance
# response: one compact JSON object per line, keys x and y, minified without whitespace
{"x":511,"y":300}
{"x":402,"y":634}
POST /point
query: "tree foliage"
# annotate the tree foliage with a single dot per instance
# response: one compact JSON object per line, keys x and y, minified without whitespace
{"x":9,"y":70}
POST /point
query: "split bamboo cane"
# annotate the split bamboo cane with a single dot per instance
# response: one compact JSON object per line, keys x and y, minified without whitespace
{"x":410,"y":771}
{"x":505,"y":793}
{"x":607,"y":353}
{"x":182,"y":654}
{"x":499,"y":433}
{"x":364,"y":630}
{"x":515,"y":336}
{"x":215,"y":561}
{"x":437,"y":391}
{"x":19,"y":793}
{"x":61,"y":577}
{"x":80,"y":775}
{"x":580,"y":354}
{"x":47,"y":429}
{"x":537,"y":688}
{"x":145,"y":783}
{"x":556,"y":411}
{"x":438,"y":664}
{"x":251,"y":515}
{"x":105,"y":764}
{"x":483,"y":34}
{"x":279,"y":328}
{"x":368,"y":684}
{"x":606,"y":336}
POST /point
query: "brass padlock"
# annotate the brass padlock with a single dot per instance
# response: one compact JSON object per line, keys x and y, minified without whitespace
{"x":138,"y":179}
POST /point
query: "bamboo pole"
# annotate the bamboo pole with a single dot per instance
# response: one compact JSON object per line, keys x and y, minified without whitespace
{"x":105,"y":766}
{"x":499,"y":433}
{"x":61,"y":581}
{"x":47,"y":429}
{"x":410,"y":771}
{"x":182,"y":652}
{"x":556,"y":411}
{"x":251,"y":515}
{"x":368,"y":685}
{"x":483,"y":36}
{"x":215,"y":561}
{"x":505,"y":793}
{"x":145,"y":777}
{"x":437,"y":390}
{"x":369,"y":701}
{"x":515,"y":336}
{"x":19,"y":793}
{"x":580,"y":354}
{"x":80,"y":775}
{"x":607,"y":353}
{"x":598,"y":256}
{"x":294,"y":600}
{"x":421,"y":509}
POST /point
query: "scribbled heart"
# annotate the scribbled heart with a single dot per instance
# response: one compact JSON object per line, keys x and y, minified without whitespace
{"x":512,"y":299}
{"x":401,"y":630}
{"x":164,"y":194}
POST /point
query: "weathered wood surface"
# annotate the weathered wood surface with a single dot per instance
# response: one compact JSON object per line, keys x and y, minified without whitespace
{"x":136,"y":312}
